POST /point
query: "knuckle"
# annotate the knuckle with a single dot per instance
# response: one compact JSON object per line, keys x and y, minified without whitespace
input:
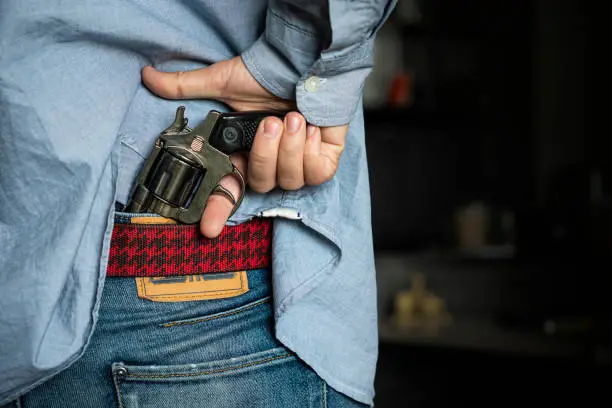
{"x":290,"y":159}
{"x":179,"y":90}
{"x":291,"y":152}
{"x":312,"y":179}
{"x":261,"y":186}
{"x":258,"y":159}
{"x":320,"y":176}
{"x":327,"y":177}
{"x":260,"y":182}
{"x":290,"y":183}
{"x":290,"y":171}
{"x":328,"y":173}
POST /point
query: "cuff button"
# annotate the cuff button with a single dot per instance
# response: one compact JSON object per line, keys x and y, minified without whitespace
{"x":313,"y":83}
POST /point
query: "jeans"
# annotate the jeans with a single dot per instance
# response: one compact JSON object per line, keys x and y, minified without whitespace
{"x":207,"y":353}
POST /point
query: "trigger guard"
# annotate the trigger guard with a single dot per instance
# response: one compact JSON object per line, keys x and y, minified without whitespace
{"x":226,"y":193}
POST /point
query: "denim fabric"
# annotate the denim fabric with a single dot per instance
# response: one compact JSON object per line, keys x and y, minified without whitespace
{"x":76,"y":124}
{"x":211,"y":353}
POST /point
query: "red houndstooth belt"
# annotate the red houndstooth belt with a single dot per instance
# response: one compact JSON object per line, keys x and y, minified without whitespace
{"x":149,"y":249}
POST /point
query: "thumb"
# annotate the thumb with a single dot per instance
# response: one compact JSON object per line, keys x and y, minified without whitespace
{"x":207,"y":83}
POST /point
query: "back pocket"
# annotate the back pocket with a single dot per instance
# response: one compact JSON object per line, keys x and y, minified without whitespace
{"x":268,"y":379}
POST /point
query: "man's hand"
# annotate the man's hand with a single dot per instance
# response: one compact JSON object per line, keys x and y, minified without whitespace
{"x":287,"y":153}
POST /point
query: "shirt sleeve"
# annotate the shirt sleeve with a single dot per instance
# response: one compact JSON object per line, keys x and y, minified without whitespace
{"x":318,"y":53}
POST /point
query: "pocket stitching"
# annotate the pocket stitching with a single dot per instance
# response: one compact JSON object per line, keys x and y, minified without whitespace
{"x":216,"y":371}
{"x":216,"y":316}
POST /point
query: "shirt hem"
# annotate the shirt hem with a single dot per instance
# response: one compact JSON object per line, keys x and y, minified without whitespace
{"x":350,"y":391}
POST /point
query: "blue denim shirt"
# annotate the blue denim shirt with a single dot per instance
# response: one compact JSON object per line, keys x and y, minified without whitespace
{"x":76,"y":125}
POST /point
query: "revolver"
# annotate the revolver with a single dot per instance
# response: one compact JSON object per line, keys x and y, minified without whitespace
{"x":186,"y":165}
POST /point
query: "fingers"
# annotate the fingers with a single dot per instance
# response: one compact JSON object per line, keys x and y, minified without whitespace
{"x":209,"y":82}
{"x":218,"y":207}
{"x":276,"y":157}
{"x":264,"y":155}
{"x":291,"y":153}
{"x":290,"y":166}
{"x":322,"y":153}
{"x":286,"y":153}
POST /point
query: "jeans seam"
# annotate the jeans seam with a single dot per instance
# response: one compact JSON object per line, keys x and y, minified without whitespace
{"x":323,"y":394}
{"x":217,"y":316}
{"x":217,"y":371}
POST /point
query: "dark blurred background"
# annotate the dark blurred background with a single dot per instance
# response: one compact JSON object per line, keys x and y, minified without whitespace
{"x":491,"y":206}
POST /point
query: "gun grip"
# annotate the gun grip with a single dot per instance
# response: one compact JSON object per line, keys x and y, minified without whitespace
{"x":235,"y":131}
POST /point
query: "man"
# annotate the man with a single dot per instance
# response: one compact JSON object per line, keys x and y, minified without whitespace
{"x":76,"y":124}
